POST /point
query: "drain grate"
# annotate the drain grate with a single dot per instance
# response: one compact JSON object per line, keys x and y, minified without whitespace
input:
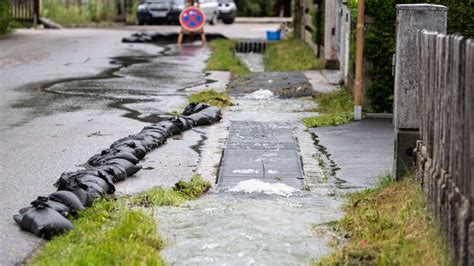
{"x":251,"y":46}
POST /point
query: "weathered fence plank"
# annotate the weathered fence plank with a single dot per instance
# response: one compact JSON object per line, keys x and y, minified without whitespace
{"x":445,"y":155}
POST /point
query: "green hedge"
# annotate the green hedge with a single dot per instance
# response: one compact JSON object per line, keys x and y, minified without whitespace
{"x":255,"y":7}
{"x":4,"y":16}
{"x":380,"y":42}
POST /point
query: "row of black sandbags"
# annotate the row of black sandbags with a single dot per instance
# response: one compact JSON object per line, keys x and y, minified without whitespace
{"x":48,"y":216}
{"x":167,"y":37}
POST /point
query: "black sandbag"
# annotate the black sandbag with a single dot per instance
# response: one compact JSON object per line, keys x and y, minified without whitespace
{"x":186,"y":122}
{"x":160,"y":137}
{"x":147,"y":141}
{"x":169,"y":126}
{"x":167,"y":37}
{"x":118,"y":172}
{"x":86,"y":198}
{"x":194,"y":108}
{"x":105,"y":176}
{"x":157,"y":129}
{"x":131,"y":142}
{"x":181,"y":123}
{"x":130,"y":168}
{"x":96,"y":183}
{"x":43,"y":221}
{"x":99,"y":159}
{"x":137,"y":152}
{"x":93,"y":189}
{"x":68,"y":182}
{"x":57,"y":206}
{"x":69,"y":199}
{"x":207,"y":116}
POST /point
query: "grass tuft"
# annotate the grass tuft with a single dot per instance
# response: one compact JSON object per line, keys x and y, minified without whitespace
{"x":223,"y":58}
{"x":290,"y":54}
{"x":118,"y":231}
{"x":108,"y":233}
{"x":192,"y":189}
{"x":388,"y":225}
{"x":181,"y":192}
{"x":336,"y":108}
{"x":211,"y":97}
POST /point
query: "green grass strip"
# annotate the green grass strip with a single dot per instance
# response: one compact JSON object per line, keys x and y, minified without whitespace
{"x":389,"y":225}
{"x":211,"y":97}
{"x":290,"y":54}
{"x":223,"y":58}
{"x":119,"y":231}
{"x":335,"y":109}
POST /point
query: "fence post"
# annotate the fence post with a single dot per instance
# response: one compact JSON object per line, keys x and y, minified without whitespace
{"x":410,"y":19}
{"x":469,"y":155}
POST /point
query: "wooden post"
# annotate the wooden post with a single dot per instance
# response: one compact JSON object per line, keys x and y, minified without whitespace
{"x":359,"y":60}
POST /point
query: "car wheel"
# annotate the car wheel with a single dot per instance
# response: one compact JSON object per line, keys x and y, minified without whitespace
{"x":213,"y":20}
{"x":140,"y":22}
{"x":228,"y":20}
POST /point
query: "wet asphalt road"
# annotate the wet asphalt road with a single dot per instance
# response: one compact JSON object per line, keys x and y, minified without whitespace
{"x":67,"y":94}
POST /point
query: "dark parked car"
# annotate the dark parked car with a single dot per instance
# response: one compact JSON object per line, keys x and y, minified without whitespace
{"x":227,"y":11}
{"x":167,"y":11}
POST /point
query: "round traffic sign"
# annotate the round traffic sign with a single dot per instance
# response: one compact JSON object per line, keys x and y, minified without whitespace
{"x":192,"y":18}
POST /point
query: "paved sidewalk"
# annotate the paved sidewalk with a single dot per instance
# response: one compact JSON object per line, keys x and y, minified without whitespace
{"x":358,"y":152}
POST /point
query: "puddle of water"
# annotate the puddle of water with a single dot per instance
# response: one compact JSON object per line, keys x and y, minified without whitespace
{"x":244,"y":229}
{"x":145,"y":86}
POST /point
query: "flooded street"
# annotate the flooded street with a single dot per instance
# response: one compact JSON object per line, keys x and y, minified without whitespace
{"x":260,"y":220}
{"x":237,"y":228}
{"x":55,"y":124}
{"x":271,"y":198}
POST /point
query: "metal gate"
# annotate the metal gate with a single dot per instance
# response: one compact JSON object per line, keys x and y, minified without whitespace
{"x":25,"y":10}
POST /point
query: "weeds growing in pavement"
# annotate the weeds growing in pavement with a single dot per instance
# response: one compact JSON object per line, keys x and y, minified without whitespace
{"x":119,"y":231}
{"x":290,"y":54}
{"x":335,"y":109}
{"x":388,"y":225}
{"x":211,"y":97}
{"x":223,"y":58}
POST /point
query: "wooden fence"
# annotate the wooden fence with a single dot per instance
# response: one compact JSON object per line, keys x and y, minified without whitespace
{"x":25,"y":10}
{"x":305,"y":27}
{"x":445,"y":155}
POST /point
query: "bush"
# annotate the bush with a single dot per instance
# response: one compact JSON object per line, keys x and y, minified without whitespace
{"x":4,"y":16}
{"x":380,"y":42}
{"x":81,"y":15}
{"x":72,"y":15}
{"x":255,"y":7}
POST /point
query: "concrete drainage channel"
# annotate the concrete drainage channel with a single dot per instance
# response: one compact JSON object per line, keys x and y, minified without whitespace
{"x":251,"y":53}
{"x":271,"y":201}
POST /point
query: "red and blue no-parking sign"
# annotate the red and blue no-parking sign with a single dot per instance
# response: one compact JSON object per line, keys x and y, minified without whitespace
{"x":192,"y":19}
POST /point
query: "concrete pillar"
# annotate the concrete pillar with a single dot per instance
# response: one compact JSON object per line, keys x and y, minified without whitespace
{"x":410,"y":19}
{"x":330,"y":52}
{"x":345,"y":44}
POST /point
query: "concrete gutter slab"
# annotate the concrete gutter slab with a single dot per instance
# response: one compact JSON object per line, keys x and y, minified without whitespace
{"x":260,"y":150}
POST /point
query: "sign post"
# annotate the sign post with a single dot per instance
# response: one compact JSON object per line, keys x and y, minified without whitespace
{"x":192,"y":21}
